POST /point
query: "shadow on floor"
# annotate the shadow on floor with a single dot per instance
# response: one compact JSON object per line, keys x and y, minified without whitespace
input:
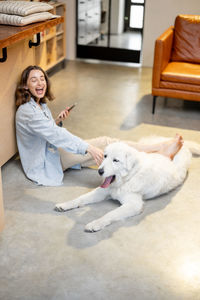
{"x":84,"y":215}
{"x":168,"y":111}
{"x":30,"y":202}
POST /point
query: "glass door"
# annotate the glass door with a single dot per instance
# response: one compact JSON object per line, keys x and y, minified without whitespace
{"x":110,"y":29}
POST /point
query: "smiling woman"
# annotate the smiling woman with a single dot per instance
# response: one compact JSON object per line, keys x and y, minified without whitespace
{"x":39,"y":137}
{"x":34,"y":83}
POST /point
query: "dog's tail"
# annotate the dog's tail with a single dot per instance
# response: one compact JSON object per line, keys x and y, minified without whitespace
{"x":193,"y":147}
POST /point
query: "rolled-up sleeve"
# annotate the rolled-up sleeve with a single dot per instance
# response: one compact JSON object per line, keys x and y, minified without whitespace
{"x":58,"y":136}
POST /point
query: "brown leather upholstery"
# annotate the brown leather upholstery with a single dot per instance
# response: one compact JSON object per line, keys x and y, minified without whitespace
{"x":176,"y":69}
{"x":186,"y":39}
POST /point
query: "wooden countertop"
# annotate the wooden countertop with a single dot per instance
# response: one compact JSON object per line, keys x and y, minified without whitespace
{"x":12,"y":34}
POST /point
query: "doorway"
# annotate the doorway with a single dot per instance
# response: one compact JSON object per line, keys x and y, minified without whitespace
{"x":110,"y":29}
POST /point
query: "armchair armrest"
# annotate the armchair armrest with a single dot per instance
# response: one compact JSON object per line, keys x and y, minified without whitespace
{"x":162,"y":54}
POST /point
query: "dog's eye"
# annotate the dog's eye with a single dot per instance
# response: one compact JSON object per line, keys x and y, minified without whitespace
{"x":105,"y":155}
{"x":116,"y":160}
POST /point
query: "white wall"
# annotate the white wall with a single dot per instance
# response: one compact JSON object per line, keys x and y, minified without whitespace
{"x":159,"y":15}
{"x":70,"y":29}
{"x":117,"y":16}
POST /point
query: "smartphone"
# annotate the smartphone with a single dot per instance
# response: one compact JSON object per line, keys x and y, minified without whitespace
{"x":72,"y":106}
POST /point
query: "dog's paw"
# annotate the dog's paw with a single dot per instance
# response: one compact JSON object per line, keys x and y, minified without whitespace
{"x":63,"y":207}
{"x":94,"y":226}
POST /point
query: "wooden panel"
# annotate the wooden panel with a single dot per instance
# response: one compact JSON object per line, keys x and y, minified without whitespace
{"x":1,"y":206}
{"x":19,"y":57}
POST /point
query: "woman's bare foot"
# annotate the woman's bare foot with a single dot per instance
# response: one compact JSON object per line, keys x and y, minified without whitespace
{"x":168,"y":148}
{"x":171,"y":148}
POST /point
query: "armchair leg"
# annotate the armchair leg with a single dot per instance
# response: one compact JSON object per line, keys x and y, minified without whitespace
{"x":154,"y":104}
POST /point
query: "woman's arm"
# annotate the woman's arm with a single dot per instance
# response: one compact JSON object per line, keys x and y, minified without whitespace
{"x":44,"y":127}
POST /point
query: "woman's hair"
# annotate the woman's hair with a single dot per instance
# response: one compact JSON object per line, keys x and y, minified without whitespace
{"x":22,"y":95}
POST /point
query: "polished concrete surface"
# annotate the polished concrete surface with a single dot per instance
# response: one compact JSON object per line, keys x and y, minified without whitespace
{"x":47,"y":255}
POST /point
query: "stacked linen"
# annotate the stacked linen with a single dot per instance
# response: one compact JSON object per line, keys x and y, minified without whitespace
{"x":20,"y":13}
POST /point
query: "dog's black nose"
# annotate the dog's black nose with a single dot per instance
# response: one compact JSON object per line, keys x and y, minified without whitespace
{"x":101,"y":171}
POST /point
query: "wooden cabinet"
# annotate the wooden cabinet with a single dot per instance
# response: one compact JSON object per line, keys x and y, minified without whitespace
{"x":89,"y":21}
{"x":14,"y":40}
{"x":1,"y":206}
{"x":19,"y":57}
{"x":52,"y":42}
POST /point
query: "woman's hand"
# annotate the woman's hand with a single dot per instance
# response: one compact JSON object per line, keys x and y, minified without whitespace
{"x":62,"y":116}
{"x":96,"y":153}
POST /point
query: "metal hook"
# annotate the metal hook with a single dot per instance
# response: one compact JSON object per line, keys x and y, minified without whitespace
{"x":4,"y":57}
{"x":37,"y":43}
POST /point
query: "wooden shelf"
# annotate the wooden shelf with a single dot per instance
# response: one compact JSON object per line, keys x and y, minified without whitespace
{"x":52,"y":48}
{"x":12,"y":34}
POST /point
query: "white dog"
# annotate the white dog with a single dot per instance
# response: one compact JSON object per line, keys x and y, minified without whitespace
{"x":131,"y":177}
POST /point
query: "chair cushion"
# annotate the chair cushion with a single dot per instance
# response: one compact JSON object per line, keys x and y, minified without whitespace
{"x":180,"y":86}
{"x":23,"y":8}
{"x":181,"y":72}
{"x":186,"y":46}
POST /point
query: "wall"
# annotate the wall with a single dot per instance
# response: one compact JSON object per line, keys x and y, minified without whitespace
{"x":70,"y":29}
{"x":117,"y":16}
{"x":159,"y":15}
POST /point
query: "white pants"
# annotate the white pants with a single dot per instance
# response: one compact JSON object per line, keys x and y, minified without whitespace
{"x":70,"y":159}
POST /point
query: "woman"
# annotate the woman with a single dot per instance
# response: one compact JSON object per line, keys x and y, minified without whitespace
{"x":47,"y":149}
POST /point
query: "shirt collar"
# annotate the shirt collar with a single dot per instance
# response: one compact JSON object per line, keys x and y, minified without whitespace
{"x":32,"y":101}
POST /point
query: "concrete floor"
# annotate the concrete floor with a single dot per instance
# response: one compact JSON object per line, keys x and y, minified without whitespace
{"x":47,"y":255}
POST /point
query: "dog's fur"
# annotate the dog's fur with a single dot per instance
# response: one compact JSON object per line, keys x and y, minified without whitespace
{"x":136,"y":176}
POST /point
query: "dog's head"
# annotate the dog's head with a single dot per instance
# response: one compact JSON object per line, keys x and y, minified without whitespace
{"x":119,"y":161}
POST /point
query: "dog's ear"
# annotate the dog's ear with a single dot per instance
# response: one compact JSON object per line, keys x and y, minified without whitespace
{"x":129,"y":163}
{"x":130,"y":160}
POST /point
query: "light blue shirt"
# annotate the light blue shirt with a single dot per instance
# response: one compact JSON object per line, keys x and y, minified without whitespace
{"x":38,"y":138}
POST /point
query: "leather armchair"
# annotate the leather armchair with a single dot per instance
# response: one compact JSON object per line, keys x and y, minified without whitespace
{"x":176,"y":68}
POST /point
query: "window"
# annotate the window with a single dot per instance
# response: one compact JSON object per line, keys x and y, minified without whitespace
{"x":136,"y":16}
